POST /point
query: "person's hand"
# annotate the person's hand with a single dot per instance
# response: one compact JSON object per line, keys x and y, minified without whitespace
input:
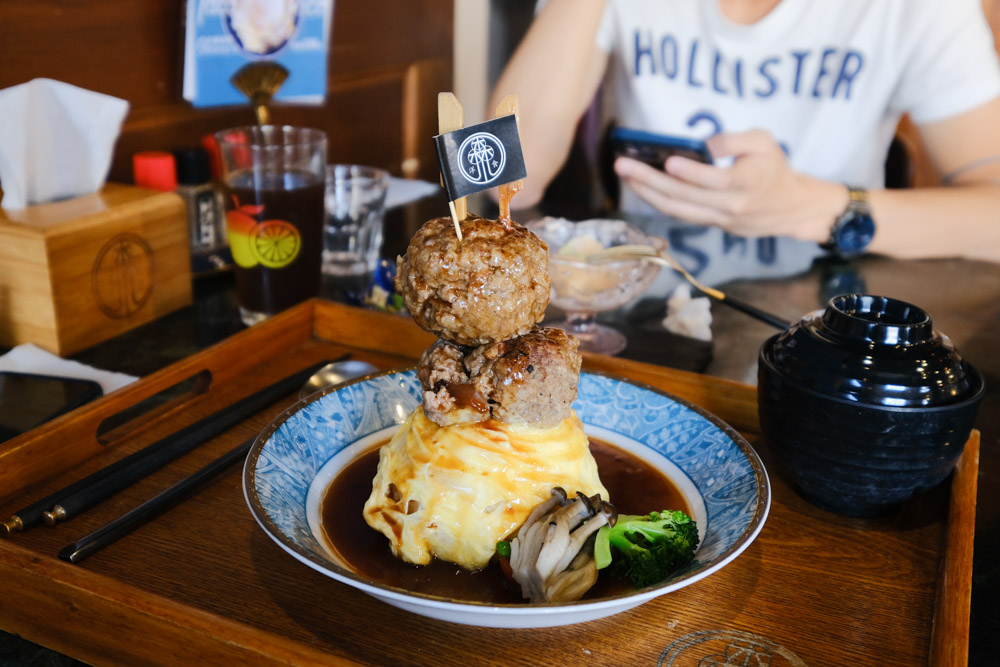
{"x":759,"y":195}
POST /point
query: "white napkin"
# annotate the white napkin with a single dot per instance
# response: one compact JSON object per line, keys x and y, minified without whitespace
{"x":56,"y":141}
{"x":28,"y":358}
{"x":687,"y":316}
{"x":405,"y":190}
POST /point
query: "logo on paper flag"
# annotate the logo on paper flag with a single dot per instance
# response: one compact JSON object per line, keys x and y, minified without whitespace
{"x":480,"y":156}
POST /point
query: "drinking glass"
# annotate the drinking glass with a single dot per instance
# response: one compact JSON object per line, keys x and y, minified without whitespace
{"x":274,"y":178}
{"x":353,"y":228}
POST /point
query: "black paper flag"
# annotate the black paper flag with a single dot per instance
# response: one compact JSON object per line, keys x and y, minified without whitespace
{"x":480,"y":156}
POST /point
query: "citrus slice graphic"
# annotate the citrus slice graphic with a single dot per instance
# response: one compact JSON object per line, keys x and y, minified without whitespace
{"x":241,"y":226}
{"x":275,"y":243}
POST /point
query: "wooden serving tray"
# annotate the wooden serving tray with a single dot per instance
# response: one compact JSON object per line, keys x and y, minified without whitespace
{"x":202,"y":584}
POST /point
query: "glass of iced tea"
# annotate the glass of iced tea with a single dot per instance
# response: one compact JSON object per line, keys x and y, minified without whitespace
{"x":275,"y":181}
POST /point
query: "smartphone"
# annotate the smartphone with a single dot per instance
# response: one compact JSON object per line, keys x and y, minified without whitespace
{"x":653,"y":149}
{"x":28,"y":400}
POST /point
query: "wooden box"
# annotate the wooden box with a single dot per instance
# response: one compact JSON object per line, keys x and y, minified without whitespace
{"x":76,"y":272}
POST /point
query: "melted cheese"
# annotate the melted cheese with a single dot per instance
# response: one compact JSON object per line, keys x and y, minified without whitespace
{"x":453,"y":492}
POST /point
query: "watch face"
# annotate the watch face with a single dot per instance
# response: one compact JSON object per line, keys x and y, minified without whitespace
{"x":855,"y":233}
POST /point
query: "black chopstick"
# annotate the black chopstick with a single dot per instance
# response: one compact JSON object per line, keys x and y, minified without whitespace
{"x":752,"y":311}
{"x":93,"y":542}
{"x":663,"y":256}
{"x":87,"y":492}
{"x":160,"y":454}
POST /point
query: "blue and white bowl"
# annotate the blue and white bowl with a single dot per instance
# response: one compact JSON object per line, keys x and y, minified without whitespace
{"x":300,"y":452}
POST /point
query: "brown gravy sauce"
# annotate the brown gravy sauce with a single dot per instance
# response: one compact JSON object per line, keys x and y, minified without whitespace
{"x":506,"y":192}
{"x":466,"y":396}
{"x":635,"y":488}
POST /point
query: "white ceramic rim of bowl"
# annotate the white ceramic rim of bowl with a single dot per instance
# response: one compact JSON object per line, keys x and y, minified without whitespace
{"x":521,"y":615}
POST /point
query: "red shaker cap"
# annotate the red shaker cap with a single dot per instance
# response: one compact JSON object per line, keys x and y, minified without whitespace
{"x":211,"y":144}
{"x":155,"y":169}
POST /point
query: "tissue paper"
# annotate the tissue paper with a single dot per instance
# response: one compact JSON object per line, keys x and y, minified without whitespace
{"x":56,"y":141}
{"x":28,"y":358}
{"x":687,"y":316}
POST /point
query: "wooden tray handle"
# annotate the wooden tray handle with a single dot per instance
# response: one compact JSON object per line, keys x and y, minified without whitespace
{"x":66,"y":441}
{"x":950,"y":633}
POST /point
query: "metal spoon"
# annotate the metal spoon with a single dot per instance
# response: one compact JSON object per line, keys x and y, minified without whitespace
{"x":333,"y":373}
{"x":650,"y":254}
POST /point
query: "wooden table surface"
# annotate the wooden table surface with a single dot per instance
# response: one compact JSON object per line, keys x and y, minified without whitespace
{"x":812,"y":585}
{"x":204,"y":585}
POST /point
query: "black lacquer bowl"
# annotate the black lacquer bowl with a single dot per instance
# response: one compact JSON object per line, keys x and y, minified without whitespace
{"x":864,"y":404}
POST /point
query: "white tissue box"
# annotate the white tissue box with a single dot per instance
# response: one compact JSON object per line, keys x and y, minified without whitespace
{"x":76,"y":272}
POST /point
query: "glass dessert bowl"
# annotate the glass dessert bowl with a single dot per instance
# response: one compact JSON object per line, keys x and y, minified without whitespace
{"x":583,"y":288}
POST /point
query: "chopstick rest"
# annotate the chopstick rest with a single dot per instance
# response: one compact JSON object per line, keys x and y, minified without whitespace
{"x":87,"y":492}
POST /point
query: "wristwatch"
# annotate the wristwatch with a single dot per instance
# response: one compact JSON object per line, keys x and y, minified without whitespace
{"x":853,"y":229}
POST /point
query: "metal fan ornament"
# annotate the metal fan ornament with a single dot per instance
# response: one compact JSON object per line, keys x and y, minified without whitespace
{"x":259,"y":81}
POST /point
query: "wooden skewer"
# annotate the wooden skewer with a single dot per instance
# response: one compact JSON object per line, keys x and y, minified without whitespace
{"x":451,"y":117}
{"x":508,"y":105}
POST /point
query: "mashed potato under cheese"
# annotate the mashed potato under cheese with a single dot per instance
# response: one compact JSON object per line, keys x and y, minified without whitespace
{"x":454,"y":491}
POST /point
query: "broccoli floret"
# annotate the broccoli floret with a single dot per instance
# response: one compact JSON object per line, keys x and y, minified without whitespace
{"x":646,"y":548}
{"x":503,"y":548}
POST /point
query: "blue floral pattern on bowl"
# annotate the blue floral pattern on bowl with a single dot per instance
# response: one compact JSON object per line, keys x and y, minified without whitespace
{"x":716,"y":460}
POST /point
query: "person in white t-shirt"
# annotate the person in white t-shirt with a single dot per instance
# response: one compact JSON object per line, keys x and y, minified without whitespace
{"x":798,"y":100}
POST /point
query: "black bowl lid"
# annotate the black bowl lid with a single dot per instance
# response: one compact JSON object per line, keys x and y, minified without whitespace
{"x":870,"y":349}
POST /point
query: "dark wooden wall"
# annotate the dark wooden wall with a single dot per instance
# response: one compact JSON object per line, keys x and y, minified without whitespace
{"x":388,"y":60}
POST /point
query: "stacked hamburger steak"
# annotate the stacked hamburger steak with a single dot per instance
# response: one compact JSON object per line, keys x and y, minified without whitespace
{"x":495,"y":431}
{"x":483,"y":297}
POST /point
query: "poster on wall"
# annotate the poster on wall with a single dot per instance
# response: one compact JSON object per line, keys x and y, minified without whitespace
{"x":221,"y":36}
